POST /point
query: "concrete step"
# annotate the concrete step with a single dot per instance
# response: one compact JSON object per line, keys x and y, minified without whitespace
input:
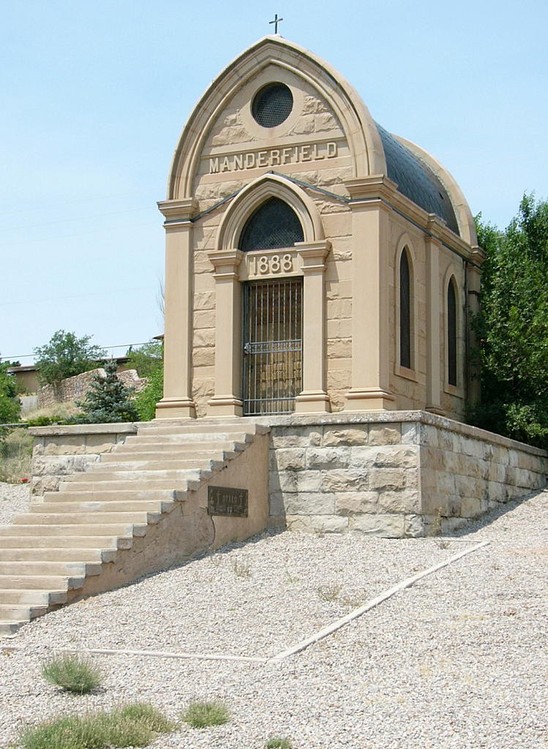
{"x":147,"y":461}
{"x":105,"y":543}
{"x":46,"y":583}
{"x":48,"y":569}
{"x":181,"y":440}
{"x":216,"y":451}
{"x":8,"y":628}
{"x":151,"y":483}
{"x":96,"y":529}
{"x":34,"y":597}
{"x":195,"y":437}
{"x":19,"y":612}
{"x":203,"y":426}
{"x":124,"y":506}
{"x":83,"y":519}
{"x":77,"y":494}
{"x":103,"y":474}
{"x":56,"y":554}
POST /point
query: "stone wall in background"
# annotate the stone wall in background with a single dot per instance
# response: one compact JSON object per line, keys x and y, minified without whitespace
{"x":75,"y":388}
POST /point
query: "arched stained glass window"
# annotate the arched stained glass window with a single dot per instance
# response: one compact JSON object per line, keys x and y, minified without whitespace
{"x":405,"y":311}
{"x":274,"y":224}
{"x":452,"y":333}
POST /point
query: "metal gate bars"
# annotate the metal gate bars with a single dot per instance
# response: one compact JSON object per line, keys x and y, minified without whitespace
{"x":272,"y":346}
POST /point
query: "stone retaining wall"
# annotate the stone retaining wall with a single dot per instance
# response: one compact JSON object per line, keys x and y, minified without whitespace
{"x":393,"y":473}
{"x":62,"y":450}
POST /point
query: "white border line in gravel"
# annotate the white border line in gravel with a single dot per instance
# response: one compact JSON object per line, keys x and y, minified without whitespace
{"x":320,"y":635}
{"x":372,"y":603}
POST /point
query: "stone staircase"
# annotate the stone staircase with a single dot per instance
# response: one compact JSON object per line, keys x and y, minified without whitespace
{"x":139,"y":509}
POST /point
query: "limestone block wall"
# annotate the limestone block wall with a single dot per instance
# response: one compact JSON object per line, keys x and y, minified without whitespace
{"x":75,"y":388}
{"x":392,"y":474}
{"x":59,"y":451}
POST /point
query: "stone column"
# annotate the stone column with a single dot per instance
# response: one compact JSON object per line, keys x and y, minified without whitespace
{"x":313,"y":397}
{"x":177,"y":400}
{"x":473,"y":284}
{"x":370,"y":300}
{"x":434,"y":368}
{"x":228,"y":348}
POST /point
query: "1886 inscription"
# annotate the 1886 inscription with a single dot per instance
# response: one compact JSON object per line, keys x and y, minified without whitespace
{"x":222,"y":500}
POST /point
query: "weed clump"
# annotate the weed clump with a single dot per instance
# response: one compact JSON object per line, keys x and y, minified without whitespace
{"x":132,"y":725}
{"x":204,"y":714}
{"x":72,"y":673}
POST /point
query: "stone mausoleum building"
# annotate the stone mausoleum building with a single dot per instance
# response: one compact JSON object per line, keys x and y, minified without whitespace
{"x":315,"y":262}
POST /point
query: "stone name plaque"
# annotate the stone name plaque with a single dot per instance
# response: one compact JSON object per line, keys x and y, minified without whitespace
{"x":222,"y":500}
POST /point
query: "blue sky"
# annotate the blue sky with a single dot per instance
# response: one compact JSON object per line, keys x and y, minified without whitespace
{"x":93,"y":97}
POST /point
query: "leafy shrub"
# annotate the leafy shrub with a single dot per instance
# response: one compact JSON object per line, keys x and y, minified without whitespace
{"x":66,"y":355}
{"x":131,"y":725}
{"x":10,"y":406}
{"x":72,"y":673}
{"x":278,"y":743}
{"x":204,"y":714}
{"x":146,"y":400}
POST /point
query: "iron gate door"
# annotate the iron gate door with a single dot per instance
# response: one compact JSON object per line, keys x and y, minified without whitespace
{"x":272,"y":346}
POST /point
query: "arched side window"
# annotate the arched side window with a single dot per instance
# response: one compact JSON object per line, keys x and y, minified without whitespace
{"x":452,"y":374}
{"x":406,"y":307}
{"x":274,"y":224}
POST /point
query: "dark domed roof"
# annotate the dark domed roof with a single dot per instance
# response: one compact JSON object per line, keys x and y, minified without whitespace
{"x":416,"y":180}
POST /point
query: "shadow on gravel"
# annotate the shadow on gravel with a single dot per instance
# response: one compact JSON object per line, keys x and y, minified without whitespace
{"x":485,"y":520}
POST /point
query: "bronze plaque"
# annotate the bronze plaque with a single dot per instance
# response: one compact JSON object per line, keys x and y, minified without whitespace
{"x":222,"y":500}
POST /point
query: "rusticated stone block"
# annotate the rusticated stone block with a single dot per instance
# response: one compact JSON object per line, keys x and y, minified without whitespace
{"x":362,"y":457}
{"x":328,"y":458}
{"x":415,"y":526}
{"x":61,"y":465}
{"x":345,"y":480}
{"x":310,"y":481}
{"x":317,"y":523}
{"x":393,"y":457}
{"x":386,"y":479}
{"x":384,"y":525}
{"x":404,"y":501}
{"x":289,"y":458}
{"x":304,"y":437}
{"x":381,"y":435}
{"x":354,"y":503}
{"x":350,"y":437}
{"x":310,"y":503}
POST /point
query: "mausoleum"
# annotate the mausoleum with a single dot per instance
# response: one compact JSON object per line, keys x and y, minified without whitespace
{"x":315,"y":262}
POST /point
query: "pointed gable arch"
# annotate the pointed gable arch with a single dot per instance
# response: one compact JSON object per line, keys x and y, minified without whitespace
{"x":275,"y":53}
{"x":254,"y":195}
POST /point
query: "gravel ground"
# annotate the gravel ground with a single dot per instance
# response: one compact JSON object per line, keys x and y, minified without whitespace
{"x":456,"y":661}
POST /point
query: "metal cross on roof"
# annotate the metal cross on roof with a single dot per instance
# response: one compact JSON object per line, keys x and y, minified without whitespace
{"x":276,"y":21}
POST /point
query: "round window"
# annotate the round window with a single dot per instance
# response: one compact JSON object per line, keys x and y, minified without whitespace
{"x":272,"y":105}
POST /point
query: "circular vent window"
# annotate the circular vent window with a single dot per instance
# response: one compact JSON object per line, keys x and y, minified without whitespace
{"x":272,"y":105}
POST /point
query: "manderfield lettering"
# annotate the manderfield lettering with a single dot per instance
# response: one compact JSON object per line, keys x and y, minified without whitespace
{"x":272,"y":157}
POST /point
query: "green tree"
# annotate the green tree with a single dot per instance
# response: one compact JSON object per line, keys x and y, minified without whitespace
{"x":10,"y":406}
{"x":108,"y":399}
{"x":146,"y":359}
{"x":149,"y":363}
{"x":66,"y":355}
{"x":513,"y":326}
